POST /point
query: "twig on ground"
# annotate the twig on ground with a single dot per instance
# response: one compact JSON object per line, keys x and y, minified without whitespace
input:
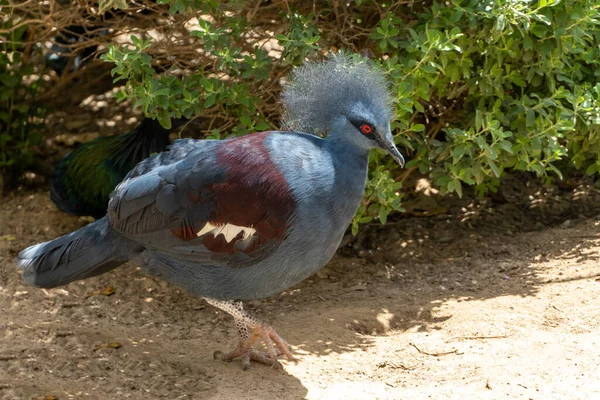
{"x":394,"y":365}
{"x":458,"y":338}
{"x":445,"y":353}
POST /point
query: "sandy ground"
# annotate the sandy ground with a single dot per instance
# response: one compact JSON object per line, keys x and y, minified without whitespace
{"x":423,"y":313}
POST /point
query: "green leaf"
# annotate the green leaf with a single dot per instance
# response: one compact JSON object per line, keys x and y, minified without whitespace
{"x":530,"y":117}
{"x":478,"y":120}
{"x":458,"y":151}
{"x":383,"y":214}
{"x":136,"y":41}
{"x":245,"y":119}
{"x":500,"y":23}
{"x":418,"y":128}
{"x":8,"y":80}
{"x":121,"y":4}
{"x":120,"y":96}
{"x":494,"y":168}
{"x":210,"y":100}
{"x":517,"y":80}
{"x":354,"y":228}
{"x":164,"y":119}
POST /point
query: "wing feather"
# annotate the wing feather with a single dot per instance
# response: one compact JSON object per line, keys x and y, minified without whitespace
{"x":224,"y":201}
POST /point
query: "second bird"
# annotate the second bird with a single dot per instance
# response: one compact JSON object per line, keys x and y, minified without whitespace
{"x":84,"y":178}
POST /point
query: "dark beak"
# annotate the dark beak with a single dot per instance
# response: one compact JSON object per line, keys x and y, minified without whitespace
{"x":387,"y":144}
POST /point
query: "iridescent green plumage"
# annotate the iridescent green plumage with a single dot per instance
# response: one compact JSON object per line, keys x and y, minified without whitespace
{"x":84,"y":178}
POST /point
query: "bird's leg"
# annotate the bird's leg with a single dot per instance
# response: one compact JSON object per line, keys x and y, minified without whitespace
{"x":250,"y":331}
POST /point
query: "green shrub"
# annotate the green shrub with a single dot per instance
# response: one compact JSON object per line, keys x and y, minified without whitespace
{"x":482,"y":87}
{"x":20,"y":122}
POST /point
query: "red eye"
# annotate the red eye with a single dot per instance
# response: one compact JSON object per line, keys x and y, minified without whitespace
{"x":366,"y":129}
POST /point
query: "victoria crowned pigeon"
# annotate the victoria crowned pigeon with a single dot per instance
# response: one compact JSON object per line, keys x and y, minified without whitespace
{"x":245,"y":218}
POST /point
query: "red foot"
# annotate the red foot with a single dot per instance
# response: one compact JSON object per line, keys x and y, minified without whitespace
{"x":276,"y":346}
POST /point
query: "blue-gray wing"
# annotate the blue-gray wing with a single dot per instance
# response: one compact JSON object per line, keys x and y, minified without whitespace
{"x":218,"y":202}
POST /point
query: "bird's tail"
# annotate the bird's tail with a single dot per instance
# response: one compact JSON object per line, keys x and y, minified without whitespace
{"x":92,"y":250}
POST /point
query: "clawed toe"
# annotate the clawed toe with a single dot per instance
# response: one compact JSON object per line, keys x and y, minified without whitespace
{"x":247,"y":355}
{"x":250,"y":331}
{"x":259,"y":356}
{"x":270,"y":338}
{"x":245,"y":351}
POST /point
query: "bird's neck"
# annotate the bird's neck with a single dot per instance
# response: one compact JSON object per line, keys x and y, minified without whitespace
{"x":351,"y":164}
{"x":346,"y":152}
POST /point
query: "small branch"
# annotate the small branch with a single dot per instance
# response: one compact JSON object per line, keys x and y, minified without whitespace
{"x":459,"y":338}
{"x":445,"y":353}
{"x":406,"y":174}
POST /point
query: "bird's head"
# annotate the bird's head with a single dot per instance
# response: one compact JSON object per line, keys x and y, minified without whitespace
{"x":344,"y":95}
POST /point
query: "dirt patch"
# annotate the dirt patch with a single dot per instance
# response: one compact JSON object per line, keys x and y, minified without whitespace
{"x":441,"y":307}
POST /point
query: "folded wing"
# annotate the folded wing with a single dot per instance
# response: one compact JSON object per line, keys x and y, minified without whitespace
{"x":224,"y":202}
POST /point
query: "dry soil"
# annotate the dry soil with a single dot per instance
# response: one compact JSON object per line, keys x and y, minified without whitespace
{"x":456,"y":306}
